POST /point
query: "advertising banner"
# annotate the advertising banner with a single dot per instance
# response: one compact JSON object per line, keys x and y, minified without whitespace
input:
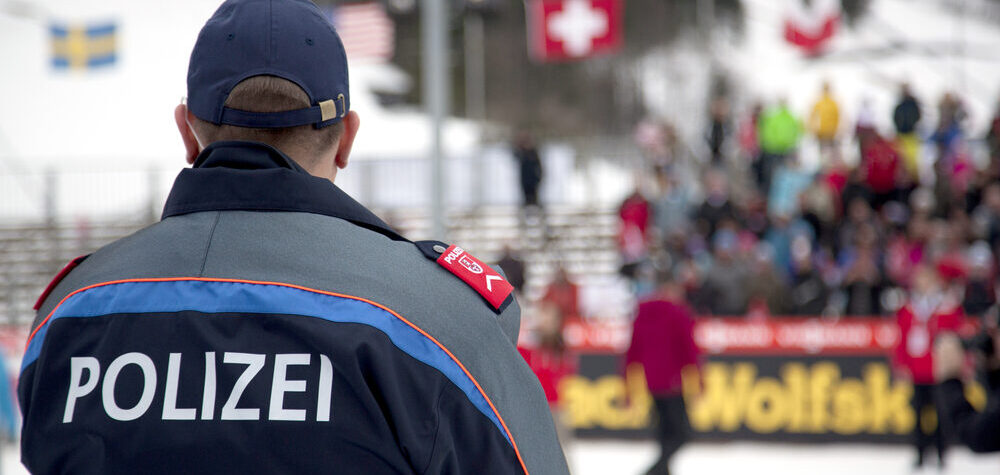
{"x":805,"y":380}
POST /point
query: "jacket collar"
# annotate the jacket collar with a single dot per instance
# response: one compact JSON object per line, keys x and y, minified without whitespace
{"x":252,"y":176}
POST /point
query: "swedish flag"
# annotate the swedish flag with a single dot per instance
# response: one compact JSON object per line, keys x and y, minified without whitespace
{"x":83,"y":46}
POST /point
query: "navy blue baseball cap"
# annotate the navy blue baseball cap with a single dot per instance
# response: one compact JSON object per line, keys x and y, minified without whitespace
{"x":289,"y":39}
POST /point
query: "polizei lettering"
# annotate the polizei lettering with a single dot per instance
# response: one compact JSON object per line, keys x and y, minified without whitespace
{"x":88,"y":379}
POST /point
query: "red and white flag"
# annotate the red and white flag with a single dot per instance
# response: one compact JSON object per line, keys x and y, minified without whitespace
{"x":368,"y":33}
{"x":560,"y":30}
{"x":811,"y":26}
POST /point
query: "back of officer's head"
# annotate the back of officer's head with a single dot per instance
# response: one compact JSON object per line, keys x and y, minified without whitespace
{"x":270,"y":94}
{"x":271,"y":71}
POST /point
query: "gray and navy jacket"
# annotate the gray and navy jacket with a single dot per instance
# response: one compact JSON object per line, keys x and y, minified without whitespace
{"x":271,"y":324}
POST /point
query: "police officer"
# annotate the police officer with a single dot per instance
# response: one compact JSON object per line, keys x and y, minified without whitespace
{"x":269,"y":323}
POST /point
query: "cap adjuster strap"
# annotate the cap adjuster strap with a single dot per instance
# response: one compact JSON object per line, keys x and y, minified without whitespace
{"x":328,"y":109}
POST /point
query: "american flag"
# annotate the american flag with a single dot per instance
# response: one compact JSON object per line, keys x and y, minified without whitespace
{"x":366,"y":30}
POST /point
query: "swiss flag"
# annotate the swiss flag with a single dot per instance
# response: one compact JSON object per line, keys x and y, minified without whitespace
{"x":560,"y":30}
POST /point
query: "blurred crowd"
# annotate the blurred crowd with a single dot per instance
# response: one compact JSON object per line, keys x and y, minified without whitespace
{"x":748,"y":228}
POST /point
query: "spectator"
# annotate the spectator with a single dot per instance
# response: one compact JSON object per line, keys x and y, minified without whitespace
{"x":783,"y":230}
{"x":993,"y":140}
{"x":765,"y":288}
{"x":513,"y":267}
{"x":864,"y":125}
{"x":8,"y":413}
{"x":717,"y":207}
{"x":788,"y":183}
{"x":750,"y":143}
{"x":718,"y":129}
{"x":987,"y":216}
{"x":809,"y":292}
{"x":663,"y":344}
{"x":949,"y":250}
{"x":863,"y":279}
{"x":824,"y":121}
{"x":562,"y":296}
{"x":633,"y":232}
{"x":819,"y":208}
{"x":881,"y":167}
{"x":979,"y":294}
{"x":855,"y":188}
{"x":905,"y":117}
{"x":905,"y":252}
{"x":859,"y":215}
{"x":976,"y":430}
{"x":530,"y":166}
{"x":671,"y":208}
{"x":723,"y":291}
{"x":927,"y":312}
{"x":779,"y":132}
{"x":951,"y":114}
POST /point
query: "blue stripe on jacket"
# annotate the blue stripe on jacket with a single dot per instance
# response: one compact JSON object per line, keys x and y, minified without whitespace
{"x":269,"y":299}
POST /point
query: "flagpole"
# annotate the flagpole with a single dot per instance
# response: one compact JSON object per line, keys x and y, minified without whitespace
{"x":434,"y":25}
{"x":475,"y":88}
{"x":475,"y":67}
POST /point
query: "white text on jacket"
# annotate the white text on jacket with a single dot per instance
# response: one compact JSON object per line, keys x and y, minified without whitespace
{"x":81,"y":387}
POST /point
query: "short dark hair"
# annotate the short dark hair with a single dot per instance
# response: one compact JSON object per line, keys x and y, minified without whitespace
{"x":271,"y":94}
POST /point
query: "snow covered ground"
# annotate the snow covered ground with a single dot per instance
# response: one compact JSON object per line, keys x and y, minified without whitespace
{"x":738,"y":458}
{"x":746,"y":458}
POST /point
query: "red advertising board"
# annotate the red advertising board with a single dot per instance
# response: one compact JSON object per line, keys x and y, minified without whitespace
{"x":783,"y":336}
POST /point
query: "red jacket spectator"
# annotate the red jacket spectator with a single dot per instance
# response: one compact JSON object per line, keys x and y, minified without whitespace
{"x":550,"y":367}
{"x":920,"y":322}
{"x":881,"y":165}
{"x":663,"y":342}
{"x":632,"y":237}
{"x":564,"y":295}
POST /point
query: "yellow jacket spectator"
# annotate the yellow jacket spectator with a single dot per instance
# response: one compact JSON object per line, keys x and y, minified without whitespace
{"x":825,"y":117}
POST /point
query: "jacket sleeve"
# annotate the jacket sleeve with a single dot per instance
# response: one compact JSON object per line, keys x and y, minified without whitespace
{"x":978,"y":431}
{"x":900,"y":360}
{"x":692,"y":352}
{"x":462,"y":444}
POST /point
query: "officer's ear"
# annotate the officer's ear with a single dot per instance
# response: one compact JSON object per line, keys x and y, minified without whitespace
{"x":351,"y":124}
{"x":191,"y":145}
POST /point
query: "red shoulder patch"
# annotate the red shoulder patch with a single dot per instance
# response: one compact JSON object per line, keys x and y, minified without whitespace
{"x":494,"y":288}
{"x":58,"y":278}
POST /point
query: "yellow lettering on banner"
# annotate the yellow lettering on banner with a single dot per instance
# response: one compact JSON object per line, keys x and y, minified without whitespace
{"x":796,"y":376}
{"x":821,"y":380}
{"x":728,"y":396}
{"x":890,"y":406}
{"x":723,"y":404}
{"x":576,"y":399}
{"x":611,"y":394}
{"x":850,"y":414}
{"x":602,"y":403}
{"x":767,"y":407}
{"x":641,"y":402}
